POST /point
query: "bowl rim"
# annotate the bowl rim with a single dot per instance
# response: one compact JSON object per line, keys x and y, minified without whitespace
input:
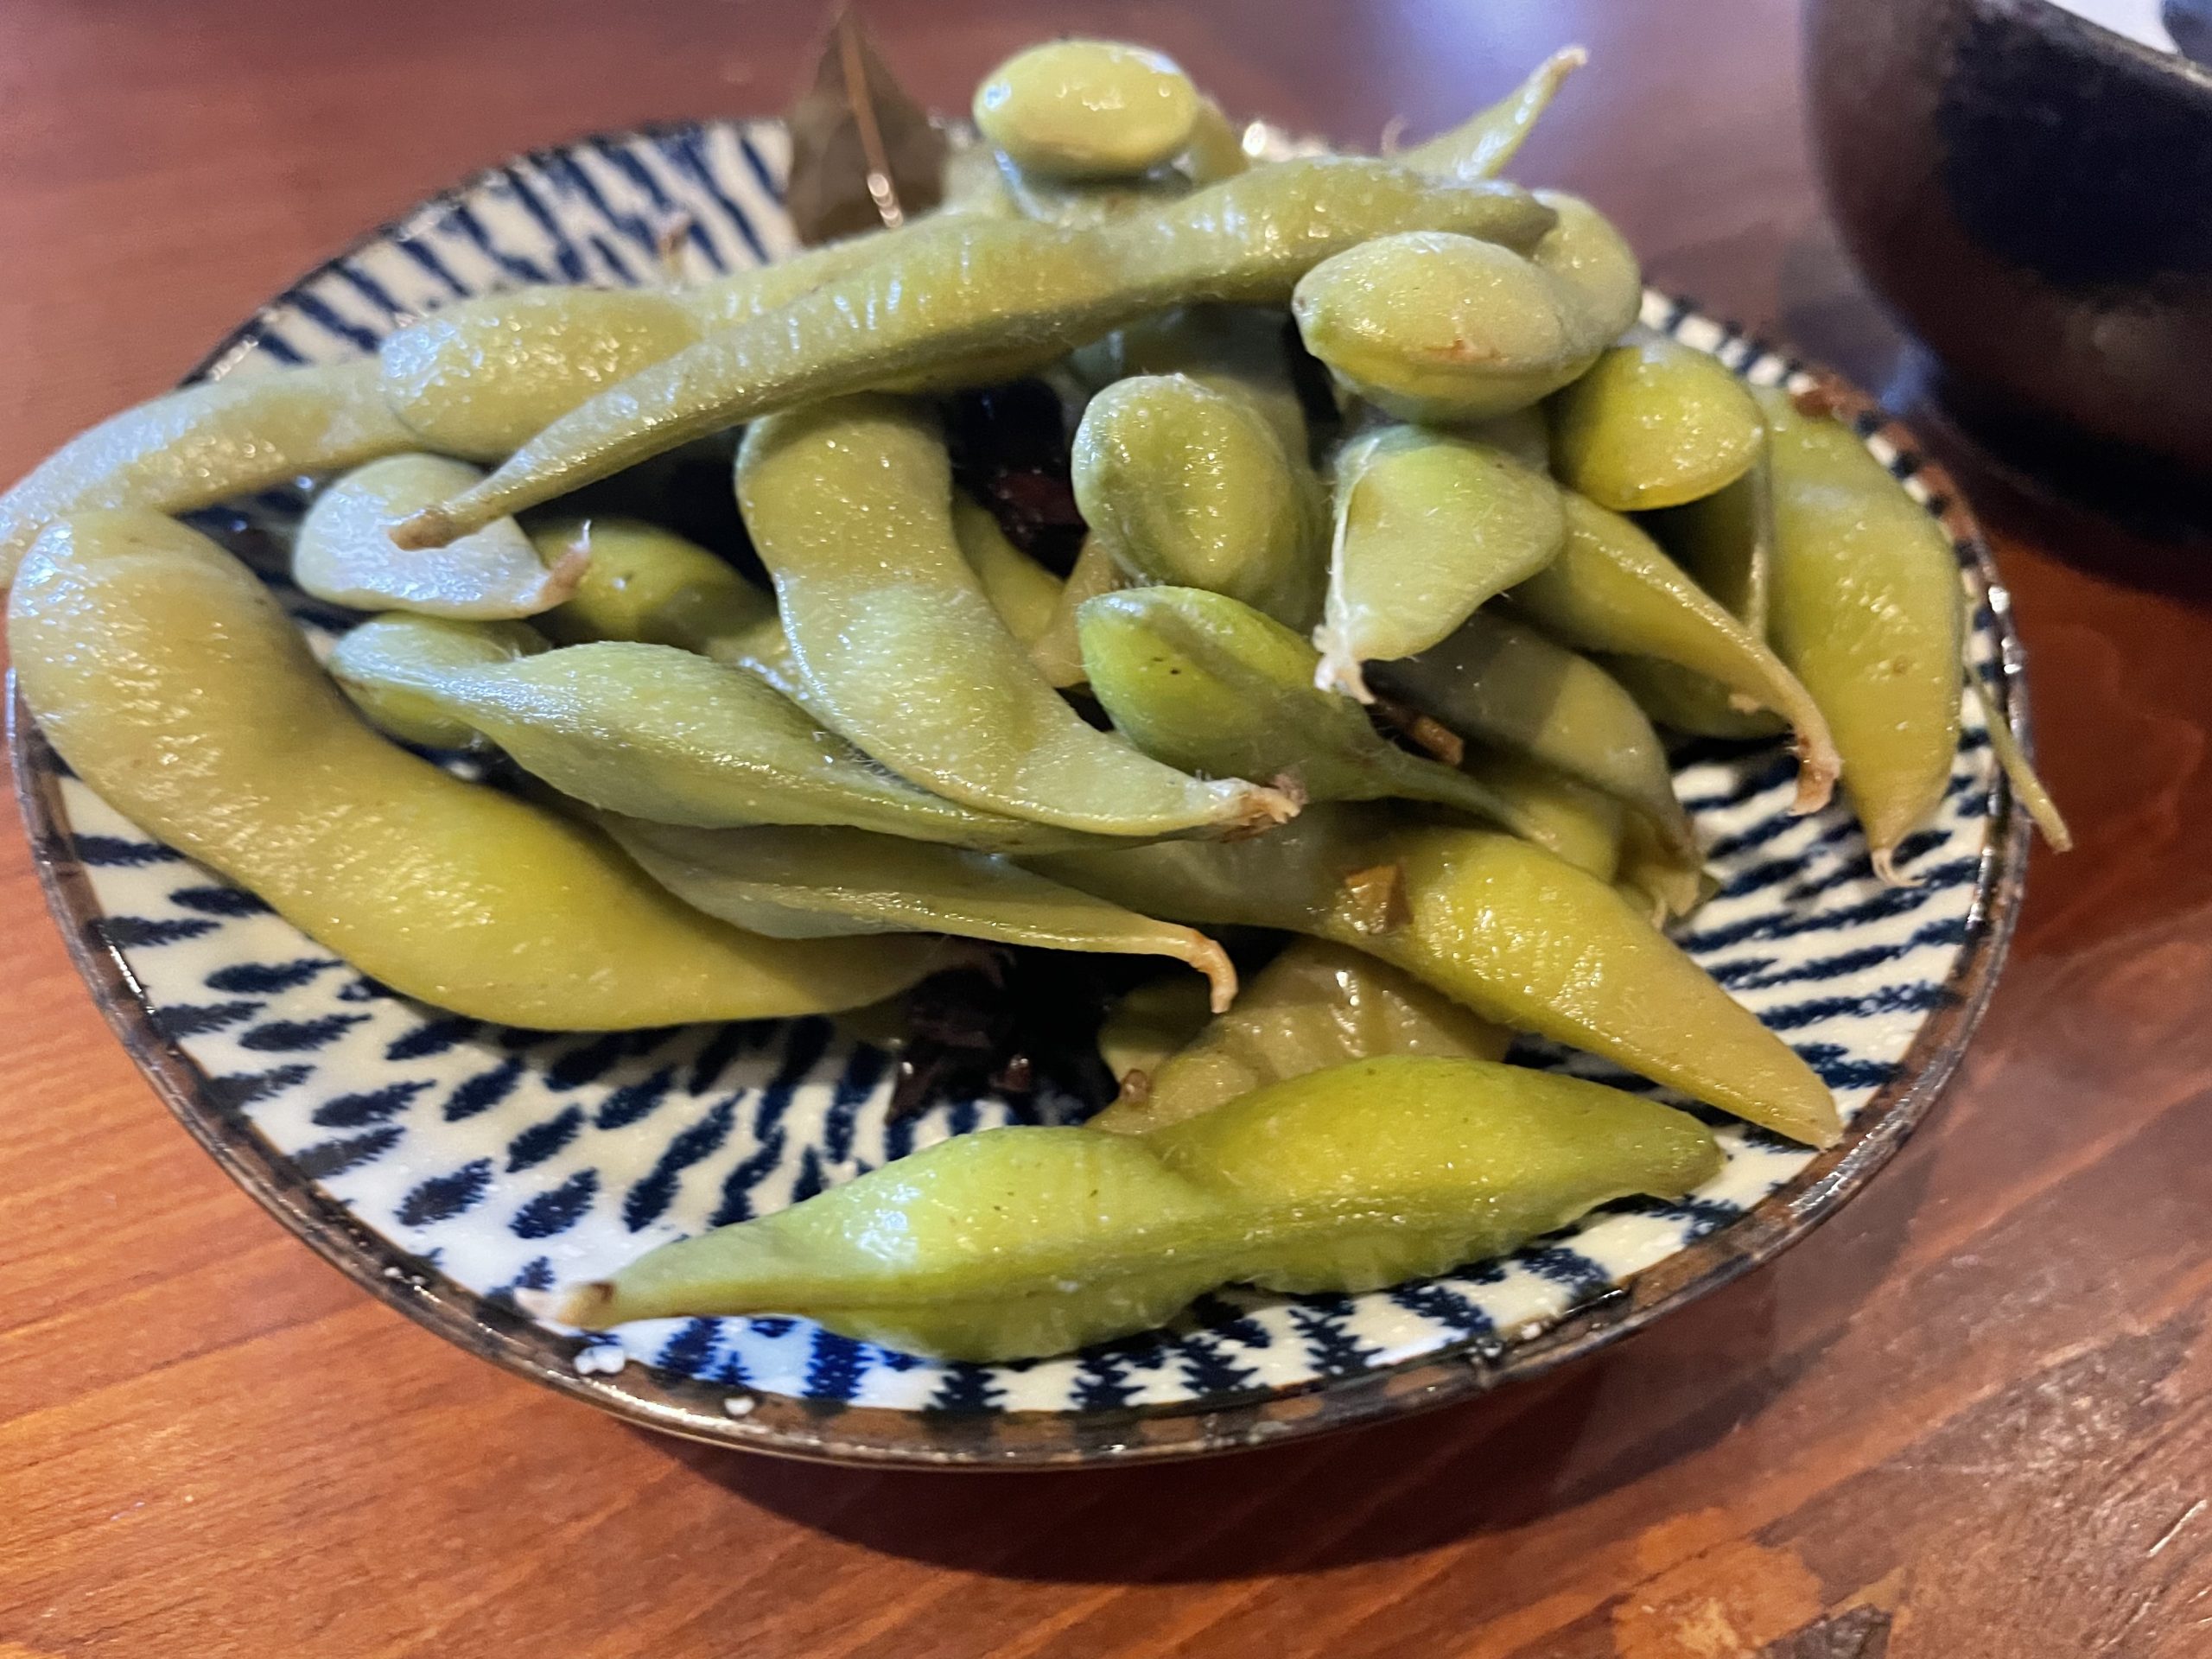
{"x":2117,"y":48}
{"x":830,"y":1431}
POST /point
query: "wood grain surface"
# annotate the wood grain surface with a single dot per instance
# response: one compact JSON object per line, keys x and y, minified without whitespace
{"x":1972,"y":1416}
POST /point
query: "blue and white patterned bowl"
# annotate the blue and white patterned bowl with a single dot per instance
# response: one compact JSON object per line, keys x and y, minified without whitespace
{"x":444,"y":1164}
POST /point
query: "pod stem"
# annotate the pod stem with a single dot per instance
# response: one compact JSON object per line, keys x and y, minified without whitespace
{"x":2020,"y":771}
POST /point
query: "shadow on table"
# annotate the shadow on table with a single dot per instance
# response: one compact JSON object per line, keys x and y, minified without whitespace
{"x":1532,"y":1450}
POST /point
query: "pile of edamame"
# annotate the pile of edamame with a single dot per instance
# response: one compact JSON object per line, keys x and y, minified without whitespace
{"x":1373,"y":674}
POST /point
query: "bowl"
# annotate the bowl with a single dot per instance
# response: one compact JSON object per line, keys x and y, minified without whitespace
{"x":445,"y":1166}
{"x":2027,"y":191}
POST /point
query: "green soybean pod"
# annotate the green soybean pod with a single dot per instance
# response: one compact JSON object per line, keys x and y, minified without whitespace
{"x":1188,"y":486}
{"x":850,"y":503}
{"x":205,"y":444}
{"x":753,"y":291}
{"x":1080,"y":109}
{"x":1150,"y":1021}
{"x":1232,"y":348}
{"x":1020,"y":1241}
{"x":344,"y":552}
{"x":968,"y":299}
{"x":1514,"y":932}
{"x":168,"y":676}
{"x":1428,"y":526}
{"x":1869,"y":608}
{"x":1581,"y":825}
{"x":642,"y":582}
{"x":1481,"y":146}
{"x":1024,"y":593}
{"x":480,"y":378}
{"x":649,"y":731}
{"x":1315,"y":1005}
{"x":1057,"y":651}
{"x":1653,"y":423}
{"x":1443,"y":329}
{"x":1612,"y":590}
{"x":811,"y":882}
{"x":1511,"y":688}
{"x":1214,"y":688}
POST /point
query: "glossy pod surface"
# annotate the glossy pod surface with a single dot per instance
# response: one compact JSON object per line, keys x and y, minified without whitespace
{"x":806,"y":883}
{"x":1428,"y":526}
{"x":1212,"y":687}
{"x":1020,"y":1242}
{"x":642,"y":582}
{"x":1315,"y":1005}
{"x":1654,"y":423}
{"x":162,"y":671}
{"x":480,"y":378}
{"x":850,"y":503}
{"x":974,"y":299}
{"x":1512,"y":689}
{"x":1190,"y":486}
{"x":344,"y":552}
{"x":1478,"y":147}
{"x":1440,"y":328}
{"x":1869,"y":612}
{"x":205,"y":444}
{"x":649,"y":731}
{"x":1516,"y":934}
{"x":1237,"y":349}
{"x":1612,"y":590}
{"x":1087,"y":110}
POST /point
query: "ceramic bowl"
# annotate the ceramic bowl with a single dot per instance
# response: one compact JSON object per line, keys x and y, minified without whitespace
{"x":444,"y":1164}
{"x":2026,"y":190}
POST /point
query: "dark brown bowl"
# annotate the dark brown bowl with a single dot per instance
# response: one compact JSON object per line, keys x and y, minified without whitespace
{"x":2032,"y":196}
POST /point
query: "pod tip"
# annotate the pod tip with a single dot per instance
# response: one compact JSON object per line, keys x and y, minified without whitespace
{"x":564,"y":574}
{"x":429,"y":527}
{"x":1887,"y":872}
{"x":582,"y":1305}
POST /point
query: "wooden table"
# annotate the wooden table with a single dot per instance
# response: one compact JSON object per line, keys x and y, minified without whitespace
{"x":1972,"y":1416}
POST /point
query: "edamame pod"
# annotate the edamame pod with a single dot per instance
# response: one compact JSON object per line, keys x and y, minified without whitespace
{"x":1868,"y":608}
{"x":1653,"y":423}
{"x":1212,"y":687}
{"x":1583,"y":825}
{"x":479,"y":378}
{"x":172,"y":682}
{"x":813,"y":882}
{"x":649,"y":585}
{"x":1078,"y":109}
{"x":1315,"y":1005}
{"x":205,"y":444}
{"x":1612,"y":590}
{"x":1516,"y":933}
{"x":1725,"y":542}
{"x":850,"y":503}
{"x":740,"y":296}
{"x":646,"y":583}
{"x":1440,"y":327}
{"x":1235,"y":348}
{"x":1428,"y":526}
{"x":1189,"y":485}
{"x":344,"y":553}
{"x":649,"y":731}
{"x":1024,"y":593}
{"x":1150,"y":1021}
{"x":1020,"y":1241}
{"x":1057,"y":651}
{"x":970,"y":290}
{"x":1481,"y":146}
{"x":1508,"y":686}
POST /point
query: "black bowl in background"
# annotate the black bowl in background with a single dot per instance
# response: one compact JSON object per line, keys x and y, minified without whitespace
{"x":2032,"y":196}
